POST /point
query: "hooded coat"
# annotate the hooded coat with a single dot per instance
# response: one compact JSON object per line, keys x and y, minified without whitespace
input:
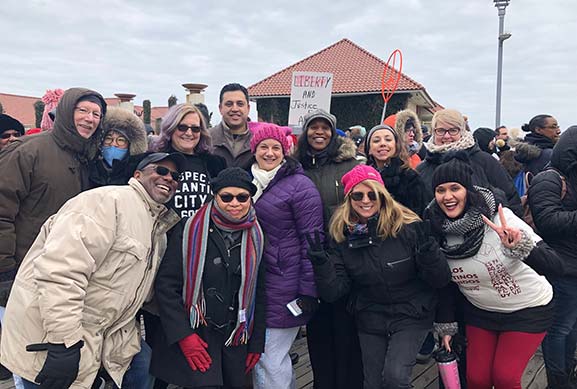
{"x":133,"y":128}
{"x":39,"y":174}
{"x":402,"y":117}
{"x":534,"y":153}
{"x":556,"y":218}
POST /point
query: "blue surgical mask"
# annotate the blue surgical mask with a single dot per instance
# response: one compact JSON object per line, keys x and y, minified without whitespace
{"x":110,"y":153}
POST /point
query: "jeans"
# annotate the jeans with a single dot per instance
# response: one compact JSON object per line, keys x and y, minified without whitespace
{"x":561,"y":341}
{"x":136,"y":377}
{"x":388,"y":359}
{"x":274,"y":369}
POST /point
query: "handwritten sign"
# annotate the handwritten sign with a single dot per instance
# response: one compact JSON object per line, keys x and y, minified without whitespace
{"x":309,"y":91}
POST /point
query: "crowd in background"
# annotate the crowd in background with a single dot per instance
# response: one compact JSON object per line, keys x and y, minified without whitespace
{"x":226,"y":244}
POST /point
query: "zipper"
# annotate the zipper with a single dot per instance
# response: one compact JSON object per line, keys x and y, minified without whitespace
{"x":390,"y":265}
{"x":337,"y":191}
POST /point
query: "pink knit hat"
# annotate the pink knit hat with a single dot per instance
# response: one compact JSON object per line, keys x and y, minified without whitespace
{"x":359,"y":174}
{"x":264,"y":131}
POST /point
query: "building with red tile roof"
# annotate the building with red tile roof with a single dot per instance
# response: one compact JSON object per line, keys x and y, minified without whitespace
{"x":356,"y":72}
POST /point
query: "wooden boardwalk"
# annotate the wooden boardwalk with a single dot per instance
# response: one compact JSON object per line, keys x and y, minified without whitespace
{"x":424,"y":376}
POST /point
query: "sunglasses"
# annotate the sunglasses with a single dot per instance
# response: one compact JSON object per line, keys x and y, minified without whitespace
{"x":358,"y":196}
{"x":185,"y":128}
{"x":163,"y":171}
{"x":241,"y":198}
{"x":8,"y":135}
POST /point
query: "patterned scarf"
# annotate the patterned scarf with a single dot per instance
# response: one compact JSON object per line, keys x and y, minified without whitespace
{"x":465,"y":142}
{"x":194,"y":251}
{"x":471,"y":227}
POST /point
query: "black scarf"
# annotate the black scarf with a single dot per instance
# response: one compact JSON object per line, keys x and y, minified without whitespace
{"x":470,"y":226}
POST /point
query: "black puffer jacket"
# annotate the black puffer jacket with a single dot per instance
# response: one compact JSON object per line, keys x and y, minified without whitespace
{"x":487,"y":173}
{"x":406,"y":186}
{"x":534,"y":153}
{"x":556,"y":219}
{"x":391,"y":282}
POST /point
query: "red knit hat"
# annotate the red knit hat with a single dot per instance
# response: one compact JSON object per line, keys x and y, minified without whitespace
{"x":264,"y":131}
{"x":359,"y":174}
{"x":390,"y":120}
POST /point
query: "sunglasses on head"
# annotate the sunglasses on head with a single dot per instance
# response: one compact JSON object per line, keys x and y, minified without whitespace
{"x":241,"y":197}
{"x":184,"y":128}
{"x":358,"y":196}
{"x":163,"y":171}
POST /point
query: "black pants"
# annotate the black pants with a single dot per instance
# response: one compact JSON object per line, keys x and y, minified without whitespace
{"x":334,"y":348}
{"x":388,"y":359}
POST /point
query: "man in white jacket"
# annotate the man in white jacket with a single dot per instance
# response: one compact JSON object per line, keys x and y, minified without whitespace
{"x":72,"y":307}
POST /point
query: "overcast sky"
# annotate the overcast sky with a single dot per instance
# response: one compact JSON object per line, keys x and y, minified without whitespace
{"x":149,"y":48}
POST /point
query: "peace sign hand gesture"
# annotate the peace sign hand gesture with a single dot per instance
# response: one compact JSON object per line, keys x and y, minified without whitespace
{"x":510,"y":236}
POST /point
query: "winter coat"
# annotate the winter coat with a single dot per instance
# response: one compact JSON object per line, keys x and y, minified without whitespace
{"x":119,"y":173}
{"x":556,"y":219}
{"x":235,"y":150}
{"x":39,"y":174}
{"x":326,"y":175}
{"x":401,"y":120}
{"x":221,"y":283}
{"x":194,"y":189}
{"x":534,"y":153}
{"x":487,"y":173}
{"x":289,"y":208}
{"x":392,"y":282}
{"x":85,"y":277}
{"x":406,"y":186}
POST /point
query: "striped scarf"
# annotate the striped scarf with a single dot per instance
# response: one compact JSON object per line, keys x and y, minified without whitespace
{"x":194,"y":241}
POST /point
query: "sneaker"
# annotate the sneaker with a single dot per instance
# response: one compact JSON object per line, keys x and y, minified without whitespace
{"x":5,"y":374}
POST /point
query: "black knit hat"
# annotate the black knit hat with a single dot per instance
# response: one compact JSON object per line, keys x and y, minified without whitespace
{"x":9,"y":123}
{"x":234,"y":177}
{"x":455,"y":168}
{"x":484,"y":136}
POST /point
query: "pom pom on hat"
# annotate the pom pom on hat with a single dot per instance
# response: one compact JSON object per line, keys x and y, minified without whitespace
{"x":359,"y":174}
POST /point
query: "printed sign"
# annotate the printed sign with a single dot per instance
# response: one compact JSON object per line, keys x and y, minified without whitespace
{"x":309,"y":91}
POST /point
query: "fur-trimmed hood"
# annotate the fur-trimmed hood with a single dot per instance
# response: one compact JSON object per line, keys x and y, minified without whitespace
{"x":402,"y":118}
{"x":130,"y":125}
{"x":347,"y":150}
{"x":525,"y":152}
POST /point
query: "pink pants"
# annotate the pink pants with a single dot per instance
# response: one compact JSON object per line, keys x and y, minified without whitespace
{"x":498,"y":358}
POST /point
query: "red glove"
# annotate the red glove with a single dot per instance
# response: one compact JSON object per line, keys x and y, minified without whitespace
{"x":251,"y":361}
{"x":194,"y":350}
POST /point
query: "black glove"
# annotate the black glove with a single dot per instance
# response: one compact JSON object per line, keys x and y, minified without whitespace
{"x":425,"y":241}
{"x":308,"y":304}
{"x":61,"y":367}
{"x":316,"y":251}
{"x":6,"y":281}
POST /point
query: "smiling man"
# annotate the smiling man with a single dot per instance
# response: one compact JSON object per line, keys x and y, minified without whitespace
{"x":40,"y":173}
{"x":231,"y":137}
{"x":73,"y":304}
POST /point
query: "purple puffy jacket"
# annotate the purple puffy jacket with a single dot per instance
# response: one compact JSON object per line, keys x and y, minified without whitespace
{"x":289,"y":208}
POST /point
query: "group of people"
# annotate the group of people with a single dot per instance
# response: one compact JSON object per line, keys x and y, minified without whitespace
{"x":223,"y":242}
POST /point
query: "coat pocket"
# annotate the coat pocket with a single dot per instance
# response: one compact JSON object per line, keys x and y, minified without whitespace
{"x":399,"y":271}
{"x":122,"y":346}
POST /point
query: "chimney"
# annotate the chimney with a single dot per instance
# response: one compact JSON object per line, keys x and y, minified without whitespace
{"x":195,"y":95}
{"x":126,"y":101}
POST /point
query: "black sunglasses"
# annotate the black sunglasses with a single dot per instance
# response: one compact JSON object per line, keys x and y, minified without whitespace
{"x":241,"y":198}
{"x":358,"y":196}
{"x":8,"y":135}
{"x":184,"y":128}
{"x":163,"y":171}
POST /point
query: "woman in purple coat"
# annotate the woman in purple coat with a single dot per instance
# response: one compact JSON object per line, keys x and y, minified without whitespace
{"x":288,"y":206}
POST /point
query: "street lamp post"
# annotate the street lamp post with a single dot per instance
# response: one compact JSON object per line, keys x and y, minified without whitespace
{"x":501,"y":5}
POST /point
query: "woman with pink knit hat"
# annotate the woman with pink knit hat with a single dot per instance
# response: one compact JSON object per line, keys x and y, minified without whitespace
{"x":383,"y":257}
{"x":288,"y":207}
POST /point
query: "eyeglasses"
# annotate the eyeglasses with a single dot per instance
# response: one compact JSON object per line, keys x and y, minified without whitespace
{"x":227,"y":197}
{"x":8,"y":135}
{"x":442,"y":131}
{"x":185,"y":128}
{"x":120,"y":140}
{"x":555,"y":127}
{"x":163,"y":171}
{"x":85,"y":112}
{"x":359,"y":196}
